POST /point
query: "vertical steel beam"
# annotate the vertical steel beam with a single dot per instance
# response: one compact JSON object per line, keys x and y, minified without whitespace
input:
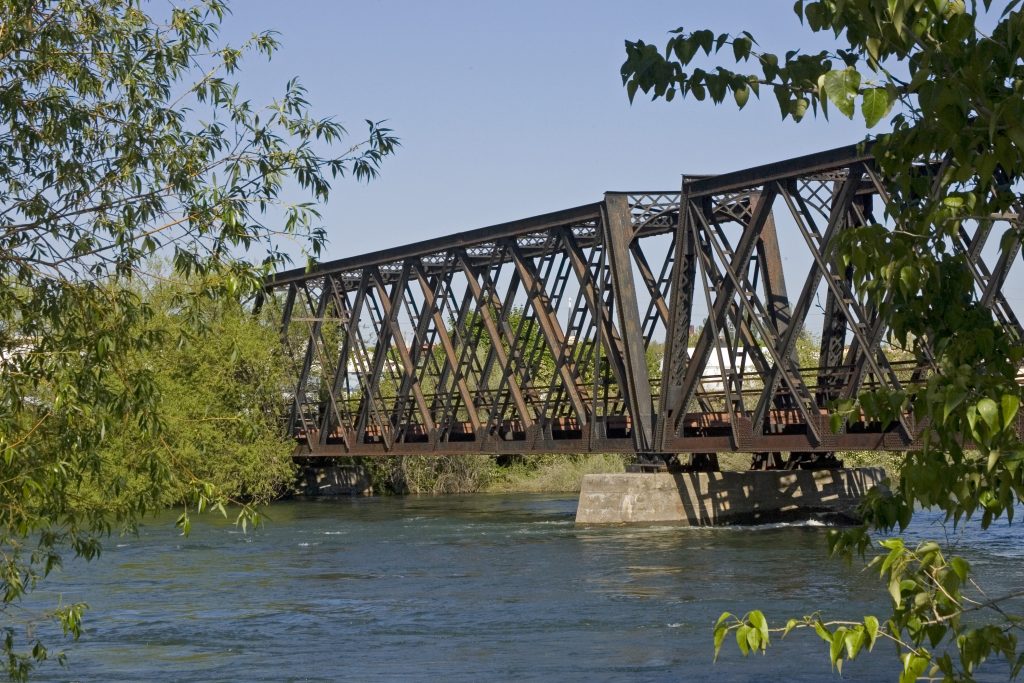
{"x":618,"y":231}
{"x":677,"y":340}
{"x":770,"y":258}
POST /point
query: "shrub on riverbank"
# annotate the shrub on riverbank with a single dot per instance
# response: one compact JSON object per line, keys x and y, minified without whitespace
{"x":552,"y":473}
{"x":218,"y":401}
{"x":430,"y":473}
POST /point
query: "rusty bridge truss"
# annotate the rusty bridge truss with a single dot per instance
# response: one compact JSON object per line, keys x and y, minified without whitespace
{"x":646,"y":323}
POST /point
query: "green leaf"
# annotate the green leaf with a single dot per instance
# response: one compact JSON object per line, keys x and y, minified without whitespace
{"x":754,"y":640}
{"x":741,"y":48}
{"x":897,"y":11}
{"x":992,"y":460}
{"x":894,"y":591}
{"x":799,"y":108}
{"x":913,"y":667}
{"x":705,"y":39}
{"x":840,"y":86}
{"x":721,"y":631}
{"x":823,"y":631}
{"x":835,"y":651}
{"x":873,"y":46}
{"x":1010,"y":404}
{"x":954,"y":397}
{"x":741,"y":639}
{"x":871,"y":629}
{"x":989,"y":412}
{"x":758,"y":621}
{"x":908,"y":279}
{"x":684,"y":49}
{"x":875,"y":105}
{"x":853,"y":641}
{"x":741,"y":95}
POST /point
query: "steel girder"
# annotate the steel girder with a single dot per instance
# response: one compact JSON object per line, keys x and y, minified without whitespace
{"x":574,"y":331}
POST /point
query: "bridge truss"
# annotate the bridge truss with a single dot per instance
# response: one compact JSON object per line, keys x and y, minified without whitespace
{"x":647,"y":323}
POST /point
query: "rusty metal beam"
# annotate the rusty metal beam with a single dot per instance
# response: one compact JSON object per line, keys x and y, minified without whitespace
{"x":618,"y":236}
{"x":532,"y":336}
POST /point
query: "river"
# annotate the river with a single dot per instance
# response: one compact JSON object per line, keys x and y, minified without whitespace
{"x":467,"y":588}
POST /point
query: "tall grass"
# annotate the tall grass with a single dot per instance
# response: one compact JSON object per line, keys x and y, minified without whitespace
{"x":554,"y":473}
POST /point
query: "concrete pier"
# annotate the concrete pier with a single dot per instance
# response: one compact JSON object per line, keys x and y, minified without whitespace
{"x":721,"y":498}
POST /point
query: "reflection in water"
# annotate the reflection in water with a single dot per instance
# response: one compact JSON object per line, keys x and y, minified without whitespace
{"x":465,"y":588}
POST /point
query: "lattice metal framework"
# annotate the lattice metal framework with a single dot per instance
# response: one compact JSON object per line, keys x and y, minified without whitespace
{"x":574,"y":331}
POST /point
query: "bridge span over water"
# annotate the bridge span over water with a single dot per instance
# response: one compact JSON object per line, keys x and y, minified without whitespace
{"x":708,"y":319}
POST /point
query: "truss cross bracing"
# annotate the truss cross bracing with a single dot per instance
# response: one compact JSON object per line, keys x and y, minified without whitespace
{"x":712,"y":319}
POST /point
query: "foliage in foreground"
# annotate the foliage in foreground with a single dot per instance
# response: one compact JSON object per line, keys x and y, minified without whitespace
{"x":219,"y":380}
{"x":952,"y":76}
{"x":122,"y":136}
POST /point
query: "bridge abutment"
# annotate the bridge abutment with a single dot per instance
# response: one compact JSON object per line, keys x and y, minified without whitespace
{"x":723,"y":498}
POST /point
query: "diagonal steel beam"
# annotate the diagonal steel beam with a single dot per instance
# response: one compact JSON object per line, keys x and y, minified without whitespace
{"x":496,"y":340}
{"x":333,"y":417}
{"x":307,"y":362}
{"x":410,"y":382}
{"x":741,"y":255}
{"x":550,"y":328}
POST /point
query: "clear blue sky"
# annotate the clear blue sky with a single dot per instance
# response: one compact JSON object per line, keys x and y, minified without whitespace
{"x":511,"y":109}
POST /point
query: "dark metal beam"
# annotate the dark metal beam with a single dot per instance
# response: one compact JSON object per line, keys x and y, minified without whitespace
{"x":761,"y":176}
{"x":529,"y":336}
{"x":448,"y":243}
{"x":618,"y":236}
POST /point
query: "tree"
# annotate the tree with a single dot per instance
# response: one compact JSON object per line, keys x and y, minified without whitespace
{"x":123,"y":135}
{"x":220,"y":400}
{"x":952,"y":78}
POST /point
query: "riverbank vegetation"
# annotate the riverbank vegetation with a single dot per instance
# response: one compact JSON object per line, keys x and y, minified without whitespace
{"x":217,"y":371}
{"x":539,"y":473}
{"x":124,"y":138}
{"x":543,"y":473}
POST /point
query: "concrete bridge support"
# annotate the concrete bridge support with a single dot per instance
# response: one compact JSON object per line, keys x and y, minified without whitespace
{"x":723,"y":498}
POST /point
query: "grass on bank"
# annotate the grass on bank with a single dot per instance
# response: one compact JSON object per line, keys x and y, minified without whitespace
{"x":555,"y":473}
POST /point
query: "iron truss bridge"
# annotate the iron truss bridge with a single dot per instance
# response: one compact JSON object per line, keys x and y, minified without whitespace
{"x":671,"y":322}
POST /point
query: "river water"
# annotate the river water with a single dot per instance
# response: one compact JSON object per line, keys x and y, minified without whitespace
{"x":467,"y":588}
